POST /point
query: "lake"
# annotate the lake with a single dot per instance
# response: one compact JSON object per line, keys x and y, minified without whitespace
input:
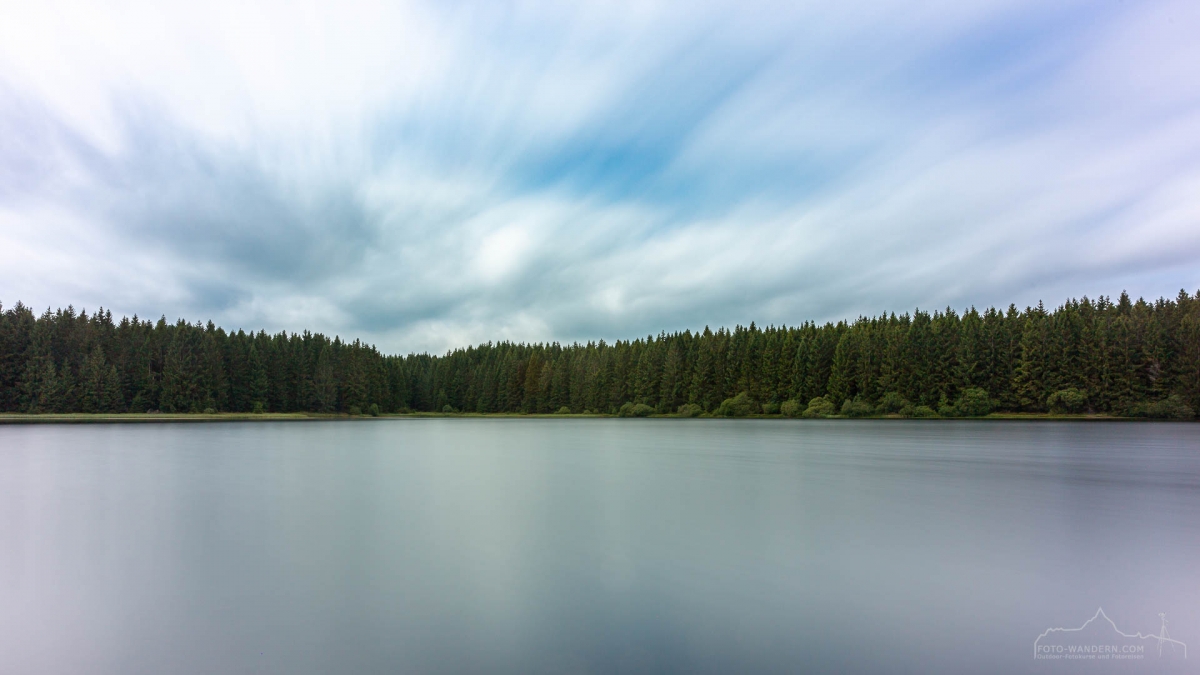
{"x":600,"y":545}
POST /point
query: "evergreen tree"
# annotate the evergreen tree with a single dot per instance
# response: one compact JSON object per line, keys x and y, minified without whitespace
{"x":324,"y":384}
{"x":94,"y":381}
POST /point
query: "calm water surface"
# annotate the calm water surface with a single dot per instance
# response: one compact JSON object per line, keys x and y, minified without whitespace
{"x":541,"y":545}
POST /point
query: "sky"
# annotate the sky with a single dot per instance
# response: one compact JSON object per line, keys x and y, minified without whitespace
{"x":427,"y":175}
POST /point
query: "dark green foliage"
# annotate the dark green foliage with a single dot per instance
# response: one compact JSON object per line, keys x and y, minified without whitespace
{"x":738,"y":406}
{"x":857,"y":408}
{"x":791,"y":408}
{"x":373,"y":411}
{"x":630,"y":409}
{"x":1170,"y":408}
{"x":891,"y":403}
{"x":974,"y":402}
{"x":564,"y":410}
{"x":1123,"y":357}
{"x":820,"y":407}
{"x":100,"y":385}
{"x":770,"y":408}
{"x":1069,"y":400}
{"x":42,"y":390}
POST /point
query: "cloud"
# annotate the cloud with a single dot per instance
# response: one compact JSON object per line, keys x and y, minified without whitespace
{"x":428,"y":175}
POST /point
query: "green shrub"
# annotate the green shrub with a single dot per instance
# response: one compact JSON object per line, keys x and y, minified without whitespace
{"x":946,"y":410}
{"x":856,"y":408}
{"x":690,"y":410}
{"x":258,"y":408}
{"x":907,"y":411}
{"x":771,"y":408}
{"x":891,"y":403}
{"x":820,"y":407}
{"x":563,"y":411}
{"x":791,"y":408}
{"x":738,"y":406}
{"x":210,"y":411}
{"x":373,"y":411}
{"x":635,"y":410}
{"x":924,"y":411}
{"x":1170,"y":408}
{"x":354,"y":411}
{"x":974,"y":402}
{"x":1069,"y":400}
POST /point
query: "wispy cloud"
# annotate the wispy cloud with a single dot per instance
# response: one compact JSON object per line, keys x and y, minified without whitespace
{"x":434,"y":174}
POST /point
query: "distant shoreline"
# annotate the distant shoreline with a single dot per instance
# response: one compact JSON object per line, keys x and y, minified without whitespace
{"x":1114,"y":359}
{"x":162,"y":418}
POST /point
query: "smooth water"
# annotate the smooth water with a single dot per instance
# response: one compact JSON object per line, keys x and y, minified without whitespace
{"x":543,"y":545}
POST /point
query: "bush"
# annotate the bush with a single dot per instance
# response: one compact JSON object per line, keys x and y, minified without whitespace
{"x":563,"y":411}
{"x":891,"y":403}
{"x":354,"y":411}
{"x":690,"y":410}
{"x":791,"y":408}
{"x":820,"y":407}
{"x":946,"y":410}
{"x":446,"y":409}
{"x":258,"y":408}
{"x":373,"y":411}
{"x":1170,"y":408}
{"x":771,"y":408}
{"x":974,"y":402}
{"x":635,"y":410}
{"x":738,"y":406}
{"x":856,"y":408}
{"x":1069,"y":400}
{"x":924,"y":411}
{"x":210,"y":411}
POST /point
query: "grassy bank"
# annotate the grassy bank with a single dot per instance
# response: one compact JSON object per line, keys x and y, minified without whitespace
{"x":150,"y":418}
{"x":86,"y":418}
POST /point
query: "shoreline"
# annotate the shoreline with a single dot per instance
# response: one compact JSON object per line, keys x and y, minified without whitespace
{"x":200,"y":418}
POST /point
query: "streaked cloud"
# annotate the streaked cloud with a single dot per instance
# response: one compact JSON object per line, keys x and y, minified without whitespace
{"x":427,"y":175}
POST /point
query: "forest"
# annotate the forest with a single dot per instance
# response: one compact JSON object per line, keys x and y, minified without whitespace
{"x":1122,"y":358}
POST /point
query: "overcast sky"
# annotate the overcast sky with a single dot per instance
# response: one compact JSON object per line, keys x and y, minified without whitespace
{"x":429,"y":175}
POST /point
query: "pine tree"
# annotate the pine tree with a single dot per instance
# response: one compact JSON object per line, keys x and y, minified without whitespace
{"x":94,"y":381}
{"x":324,"y":384}
{"x":41,"y":387}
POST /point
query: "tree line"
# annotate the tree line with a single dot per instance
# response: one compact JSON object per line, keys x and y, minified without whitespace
{"x":1121,"y":358}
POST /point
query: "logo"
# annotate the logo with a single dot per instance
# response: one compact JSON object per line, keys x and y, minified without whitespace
{"x":1099,"y":639}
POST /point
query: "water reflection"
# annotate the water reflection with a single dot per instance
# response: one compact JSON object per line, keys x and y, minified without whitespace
{"x":506,"y":545}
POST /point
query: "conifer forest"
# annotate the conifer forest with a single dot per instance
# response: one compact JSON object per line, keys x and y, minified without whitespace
{"x":1122,"y":358}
